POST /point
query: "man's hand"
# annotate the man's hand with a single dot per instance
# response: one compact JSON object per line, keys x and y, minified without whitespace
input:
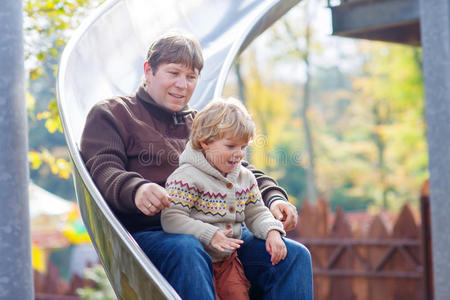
{"x":221,"y":242}
{"x":285,"y":212}
{"x":275,"y":246}
{"x":151,"y":198}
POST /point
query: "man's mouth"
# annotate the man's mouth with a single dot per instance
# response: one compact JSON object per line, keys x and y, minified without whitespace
{"x":178,"y":96}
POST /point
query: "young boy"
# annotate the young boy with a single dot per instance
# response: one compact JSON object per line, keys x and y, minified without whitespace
{"x":212,"y":195}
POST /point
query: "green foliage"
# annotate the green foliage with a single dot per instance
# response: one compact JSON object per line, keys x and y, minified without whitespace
{"x":341,"y":198}
{"x":48,"y":25}
{"x":366,"y":114}
{"x":292,"y":175}
{"x":102,"y":289}
{"x":51,"y":117}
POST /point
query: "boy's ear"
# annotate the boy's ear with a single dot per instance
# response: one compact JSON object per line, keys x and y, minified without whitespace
{"x":204,"y":145}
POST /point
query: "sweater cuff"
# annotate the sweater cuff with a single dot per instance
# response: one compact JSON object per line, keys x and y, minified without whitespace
{"x":129,"y":190}
{"x":273,"y":199}
{"x":206,"y":236}
{"x":275,"y":225}
{"x":271,"y":195}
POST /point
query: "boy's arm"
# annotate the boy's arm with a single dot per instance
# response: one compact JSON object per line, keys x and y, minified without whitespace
{"x":176,"y":219}
{"x":258,"y":218}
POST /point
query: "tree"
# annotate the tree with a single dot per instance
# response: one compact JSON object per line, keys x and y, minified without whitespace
{"x":48,"y":26}
{"x":298,"y":43}
{"x":391,"y":90}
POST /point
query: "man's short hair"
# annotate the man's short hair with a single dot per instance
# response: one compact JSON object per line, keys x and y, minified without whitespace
{"x":220,"y":117}
{"x":178,"y":48}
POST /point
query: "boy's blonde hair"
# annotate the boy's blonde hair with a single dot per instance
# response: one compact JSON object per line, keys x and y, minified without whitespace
{"x":219,"y":117}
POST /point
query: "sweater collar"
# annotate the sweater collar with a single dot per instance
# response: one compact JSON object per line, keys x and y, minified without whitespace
{"x":198,"y":160}
{"x":159,"y":111}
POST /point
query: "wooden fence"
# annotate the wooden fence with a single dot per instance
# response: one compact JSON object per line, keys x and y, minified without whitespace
{"x":358,"y":256}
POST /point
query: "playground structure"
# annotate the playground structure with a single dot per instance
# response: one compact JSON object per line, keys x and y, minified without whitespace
{"x":105,"y":58}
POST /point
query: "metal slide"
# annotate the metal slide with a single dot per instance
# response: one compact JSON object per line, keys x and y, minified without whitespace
{"x":105,"y":58}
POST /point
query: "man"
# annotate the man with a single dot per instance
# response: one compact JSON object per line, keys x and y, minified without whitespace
{"x":131,"y":145}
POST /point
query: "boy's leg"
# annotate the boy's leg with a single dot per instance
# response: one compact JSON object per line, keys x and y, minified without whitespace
{"x":182,"y":260}
{"x":291,"y":278}
{"x":230,"y":280}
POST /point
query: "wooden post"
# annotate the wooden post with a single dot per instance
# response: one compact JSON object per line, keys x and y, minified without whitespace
{"x":341,"y":288}
{"x":426,"y":241}
{"x":406,"y":259}
{"x":377,"y":287}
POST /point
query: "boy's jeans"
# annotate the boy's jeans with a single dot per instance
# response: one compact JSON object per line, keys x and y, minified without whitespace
{"x":188,"y":268}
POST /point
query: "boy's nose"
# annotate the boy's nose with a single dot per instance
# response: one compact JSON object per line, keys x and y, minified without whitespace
{"x":239,"y":154}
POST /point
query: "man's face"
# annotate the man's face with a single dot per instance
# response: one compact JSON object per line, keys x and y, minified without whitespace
{"x":172,"y":85}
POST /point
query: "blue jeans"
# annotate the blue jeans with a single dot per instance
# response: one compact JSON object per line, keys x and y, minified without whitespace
{"x":175,"y":255}
{"x":291,"y":278}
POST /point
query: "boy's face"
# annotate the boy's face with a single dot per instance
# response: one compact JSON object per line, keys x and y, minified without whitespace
{"x":225,"y":154}
{"x":172,"y":84}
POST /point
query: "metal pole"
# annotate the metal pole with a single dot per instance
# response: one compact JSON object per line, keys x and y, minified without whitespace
{"x":435,"y":36}
{"x":16,"y":277}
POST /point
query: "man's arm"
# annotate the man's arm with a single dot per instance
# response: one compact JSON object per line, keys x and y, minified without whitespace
{"x":103,"y":150}
{"x":275,"y":198}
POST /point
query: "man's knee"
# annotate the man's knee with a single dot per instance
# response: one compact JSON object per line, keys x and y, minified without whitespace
{"x":187,"y":247}
{"x":187,"y":243}
{"x":299,"y":252}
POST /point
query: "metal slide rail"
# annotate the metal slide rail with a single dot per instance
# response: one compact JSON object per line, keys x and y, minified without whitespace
{"x":105,"y":58}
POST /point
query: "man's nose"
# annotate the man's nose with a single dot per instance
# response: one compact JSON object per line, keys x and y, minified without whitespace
{"x":181,"y":82}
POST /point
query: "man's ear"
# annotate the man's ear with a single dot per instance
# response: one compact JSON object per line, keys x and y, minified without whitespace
{"x":204,"y":145}
{"x":147,"y":69}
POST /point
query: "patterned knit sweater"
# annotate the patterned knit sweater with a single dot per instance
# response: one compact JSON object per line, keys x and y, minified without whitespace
{"x":203,"y":201}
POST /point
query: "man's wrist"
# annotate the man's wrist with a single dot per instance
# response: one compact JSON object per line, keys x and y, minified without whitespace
{"x":136,"y":187}
{"x":275,"y":198}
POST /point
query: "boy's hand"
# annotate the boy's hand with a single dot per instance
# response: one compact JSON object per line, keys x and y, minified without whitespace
{"x":275,"y":246}
{"x":221,"y":242}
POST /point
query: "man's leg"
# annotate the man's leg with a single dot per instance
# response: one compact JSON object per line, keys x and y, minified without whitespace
{"x":182,"y":260}
{"x":291,"y":278}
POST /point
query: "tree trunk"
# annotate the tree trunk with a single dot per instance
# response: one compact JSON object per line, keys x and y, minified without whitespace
{"x":311,"y":174}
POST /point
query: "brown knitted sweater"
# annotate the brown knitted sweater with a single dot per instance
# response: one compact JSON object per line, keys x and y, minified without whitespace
{"x":129,"y":141}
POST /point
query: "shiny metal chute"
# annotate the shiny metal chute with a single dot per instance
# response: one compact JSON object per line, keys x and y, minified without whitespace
{"x":105,"y":58}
